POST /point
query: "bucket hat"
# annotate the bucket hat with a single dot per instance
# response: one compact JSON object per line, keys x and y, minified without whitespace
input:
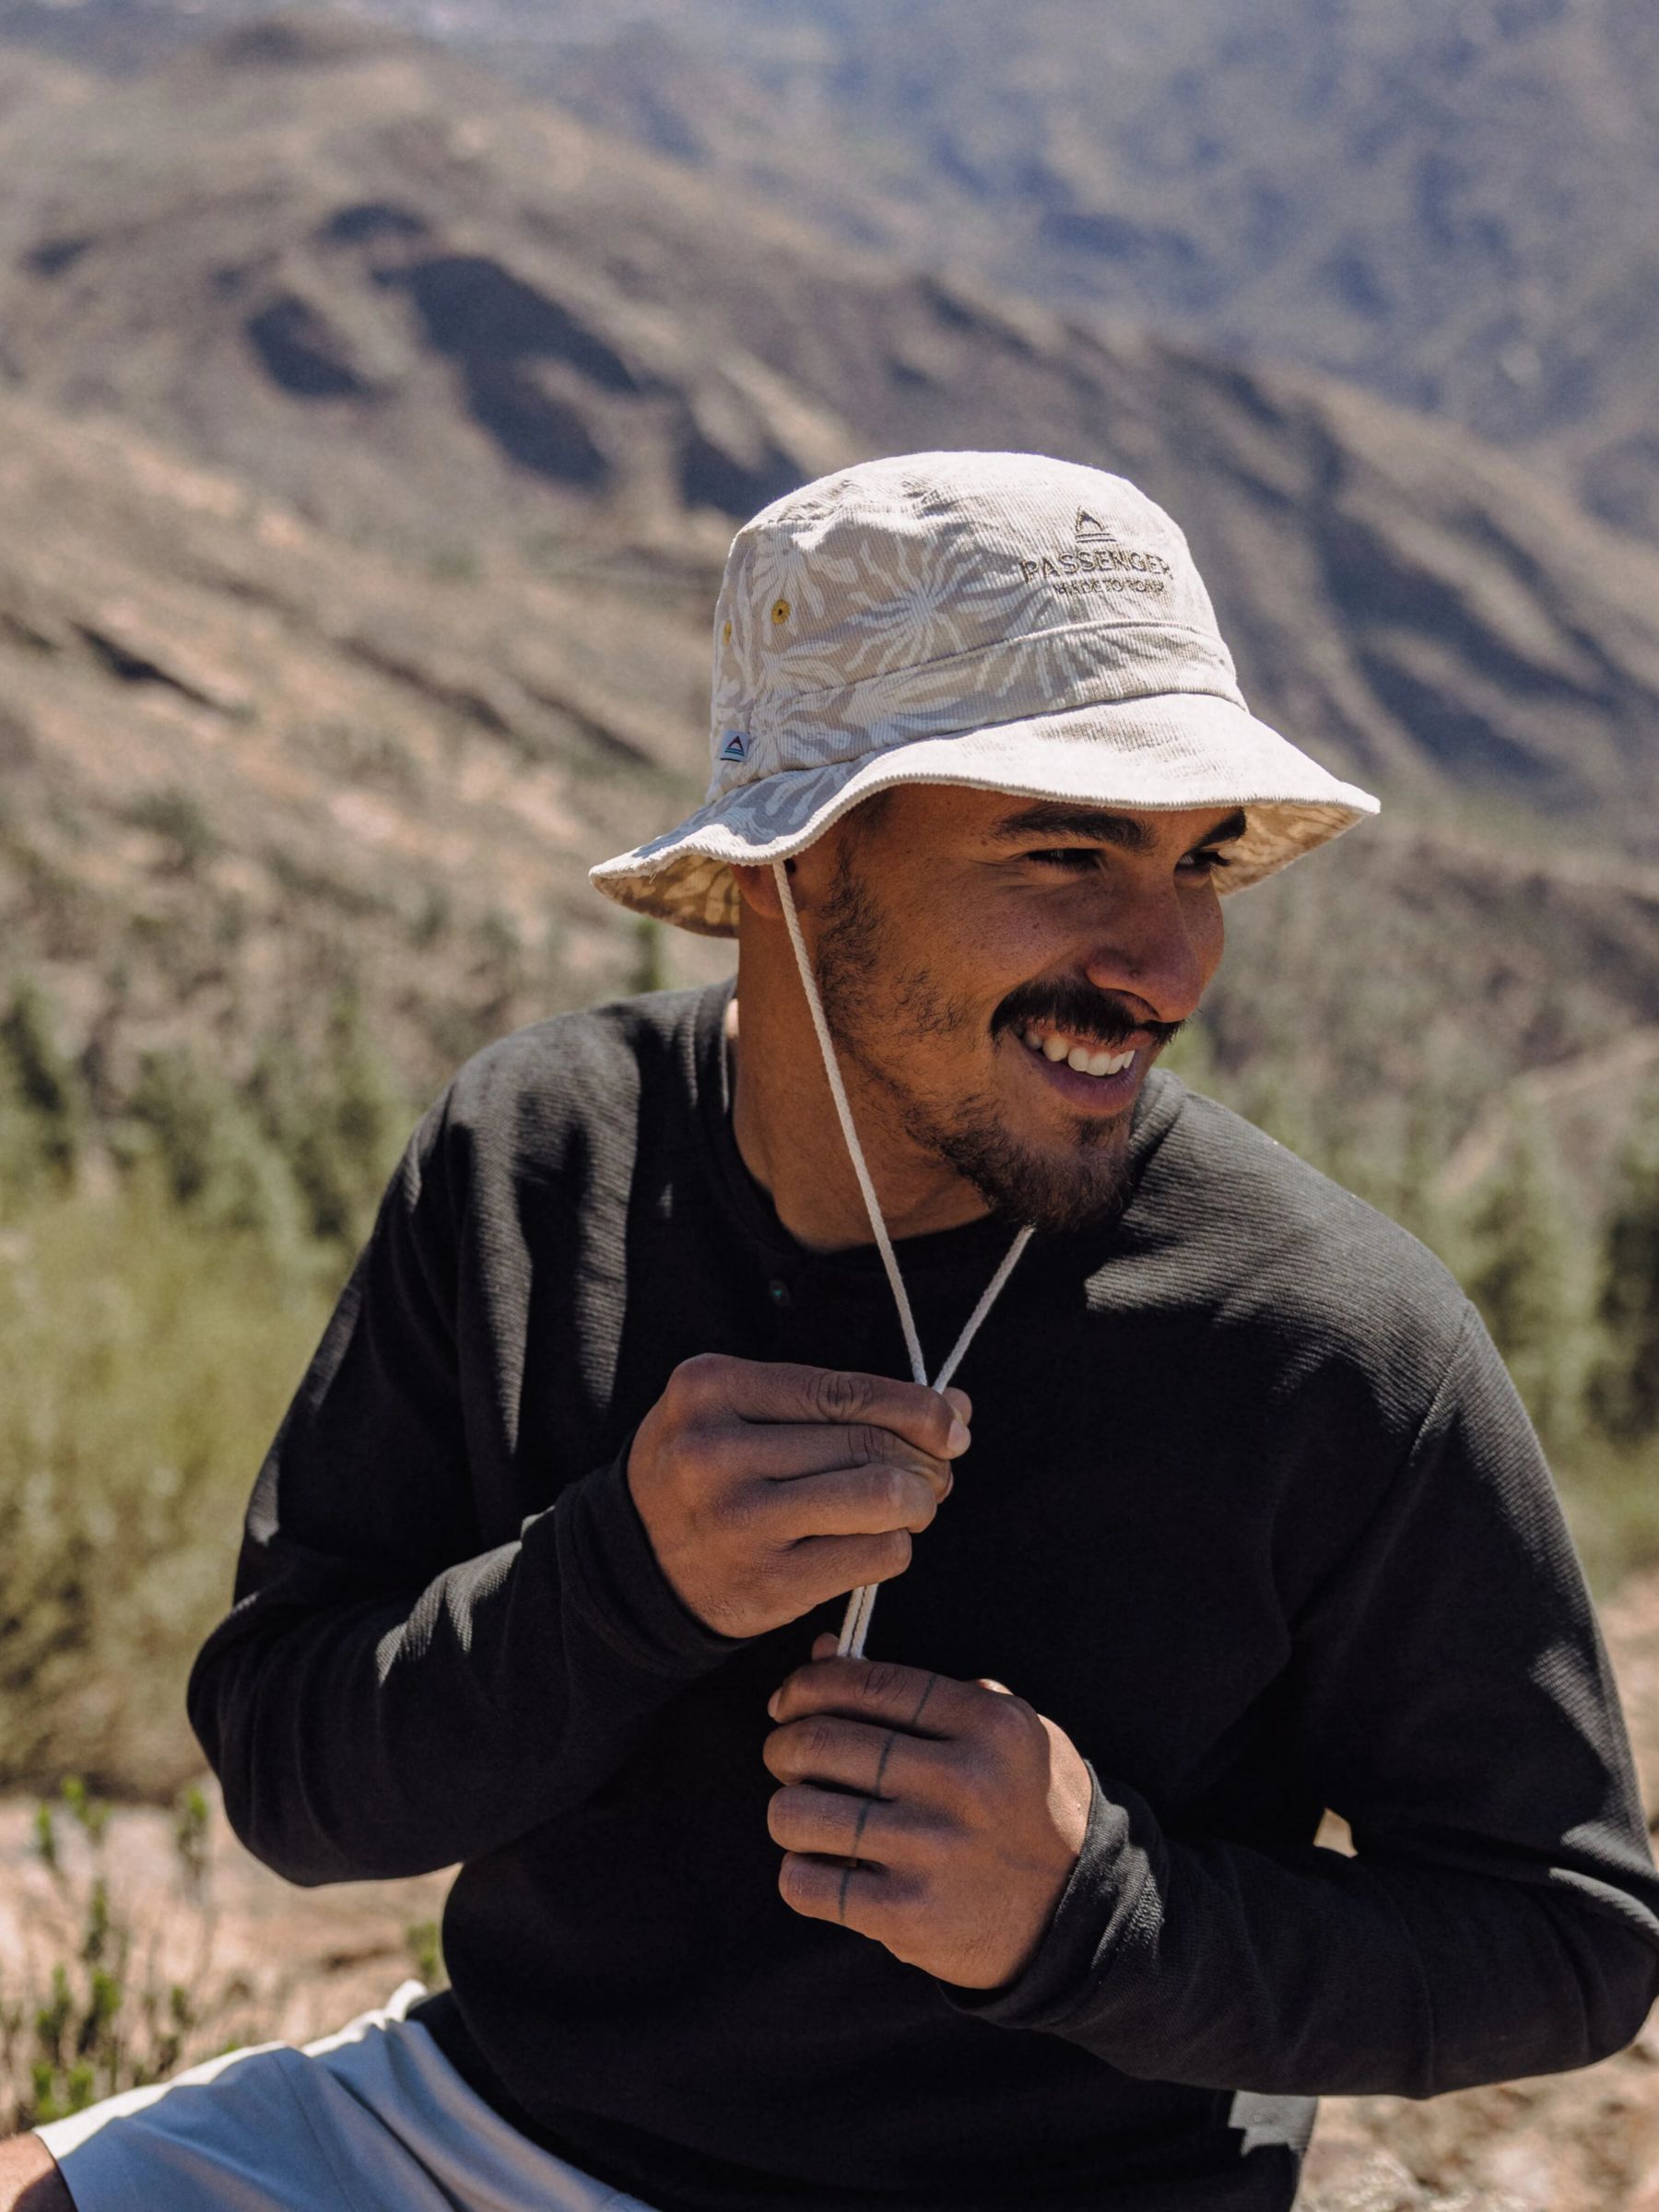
{"x":1004,"y":620}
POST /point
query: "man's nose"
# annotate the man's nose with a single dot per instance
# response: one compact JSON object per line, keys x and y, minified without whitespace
{"x":1147,"y":952}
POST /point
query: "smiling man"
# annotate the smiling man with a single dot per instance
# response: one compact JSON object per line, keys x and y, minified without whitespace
{"x":562,"y":1562}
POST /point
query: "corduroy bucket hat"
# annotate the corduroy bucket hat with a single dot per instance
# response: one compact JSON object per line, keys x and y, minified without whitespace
{"x":1003,"y":621}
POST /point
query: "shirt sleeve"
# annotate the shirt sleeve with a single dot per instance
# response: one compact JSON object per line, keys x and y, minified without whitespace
{"x":386,"y":1696}
{"x":1500,"y":1917}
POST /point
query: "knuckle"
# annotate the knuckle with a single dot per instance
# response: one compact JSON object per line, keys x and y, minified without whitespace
{"x":920,"y":1504}
{"x":780,"y":1806}
{"x":695,"y":1381}
{"x":889,"y":1493}
{"x":883,"y":1683}
{"x":818,"y":1743}
{"x":794,"y":1881}
{"x":839,"y":1396}
{"x":892,"y":1555}
{"x":941,"y":1418}
{"x":736,"y":1505}
{"x":938,"y":1474}
{"x":864,"y":1444}
{"x":1012,"y":1720}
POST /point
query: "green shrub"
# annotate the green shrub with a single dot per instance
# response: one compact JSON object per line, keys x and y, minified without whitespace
{"x":338,"y":1121}
{"x":1610,"y":1494}
{"x":178,"y":819}
{"x":93,"y":2008}
{"x":146,"y":1357}
{"x":1624,"y":1380}
{"x":1524,"y":1270}
{"x":43,"y":1108}
{"x":218,"y":1163}
{"x":650,"y":967}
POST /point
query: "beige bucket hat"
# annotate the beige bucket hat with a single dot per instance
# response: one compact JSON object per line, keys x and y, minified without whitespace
{"x":1006,"y":621}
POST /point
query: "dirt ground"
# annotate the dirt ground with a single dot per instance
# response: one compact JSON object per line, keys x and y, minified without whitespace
{"x":279,"y":1961}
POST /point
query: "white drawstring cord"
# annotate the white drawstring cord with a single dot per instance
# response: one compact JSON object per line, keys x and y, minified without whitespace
{"x":862,"y":1602}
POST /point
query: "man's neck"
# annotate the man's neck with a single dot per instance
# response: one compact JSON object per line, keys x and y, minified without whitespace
{"x":789,"y":1137}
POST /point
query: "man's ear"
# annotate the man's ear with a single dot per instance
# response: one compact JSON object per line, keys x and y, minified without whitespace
{"x":758,"y":887}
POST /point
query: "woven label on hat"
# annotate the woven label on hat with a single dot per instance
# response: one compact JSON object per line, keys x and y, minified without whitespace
{"x":735,"y":747}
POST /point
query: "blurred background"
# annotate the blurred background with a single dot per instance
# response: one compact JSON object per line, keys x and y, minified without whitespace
{"x":378,"y":393}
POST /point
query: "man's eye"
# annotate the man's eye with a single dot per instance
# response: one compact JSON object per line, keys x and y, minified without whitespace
{"x":1209,"y":862}
{"x":1066,"y":857}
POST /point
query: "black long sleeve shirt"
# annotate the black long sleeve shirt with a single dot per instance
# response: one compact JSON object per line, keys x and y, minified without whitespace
{"x":1251,"y":1511}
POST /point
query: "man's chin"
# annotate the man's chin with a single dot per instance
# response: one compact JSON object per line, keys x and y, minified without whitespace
{"x":1059,"y":1189}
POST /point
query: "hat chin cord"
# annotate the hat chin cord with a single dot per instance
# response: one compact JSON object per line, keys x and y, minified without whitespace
{"x":856,"y":1623}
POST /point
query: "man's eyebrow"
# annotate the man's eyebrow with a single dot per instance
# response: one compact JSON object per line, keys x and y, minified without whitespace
{"x":1055,"y":818}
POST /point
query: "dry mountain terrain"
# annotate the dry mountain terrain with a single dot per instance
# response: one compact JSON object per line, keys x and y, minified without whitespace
{"x":376,"y":436}
{"x":1452,"y":202}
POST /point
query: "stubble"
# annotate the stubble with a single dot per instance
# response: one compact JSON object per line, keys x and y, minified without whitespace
{"x":870,"y":995}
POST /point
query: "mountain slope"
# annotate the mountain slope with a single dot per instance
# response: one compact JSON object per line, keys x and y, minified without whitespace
{"x":1455,"y":207}
{"x":376,"y":442}
{"x":244,"y":764}
{"x":349,"y":270}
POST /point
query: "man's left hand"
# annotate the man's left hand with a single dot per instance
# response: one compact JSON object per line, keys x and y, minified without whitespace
{"x":940,"y":1818}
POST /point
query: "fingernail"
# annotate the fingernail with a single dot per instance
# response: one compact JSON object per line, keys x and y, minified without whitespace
{"x":958,"y":1439}
{"x":771,"y":1703}
{"x":962,"y":1401}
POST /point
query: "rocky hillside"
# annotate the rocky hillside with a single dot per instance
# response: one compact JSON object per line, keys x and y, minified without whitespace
{"x":374,"y":442}
{"x":1454,"y":206}
{"x":360,"y":277}
{"x":243,"y":760}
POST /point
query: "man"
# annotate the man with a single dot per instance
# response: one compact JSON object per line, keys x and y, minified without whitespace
{"x":1235,"y":1518}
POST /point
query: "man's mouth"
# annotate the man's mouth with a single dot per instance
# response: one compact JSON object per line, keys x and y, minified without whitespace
{"x":1083,"y":1055}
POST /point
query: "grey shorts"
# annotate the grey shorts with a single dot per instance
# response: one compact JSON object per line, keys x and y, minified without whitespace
{"x":372,"y":2119}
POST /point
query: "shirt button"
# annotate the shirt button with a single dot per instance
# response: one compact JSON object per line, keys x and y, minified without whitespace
{"x":778,"y":1292}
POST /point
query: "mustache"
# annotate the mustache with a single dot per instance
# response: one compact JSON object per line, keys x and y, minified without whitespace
{"x":1081,"y":1011}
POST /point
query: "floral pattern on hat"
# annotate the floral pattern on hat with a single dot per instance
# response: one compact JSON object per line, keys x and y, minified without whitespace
{"x":928,"y":596}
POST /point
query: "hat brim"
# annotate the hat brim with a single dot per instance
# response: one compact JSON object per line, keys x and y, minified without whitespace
{"x":1168,"y":754}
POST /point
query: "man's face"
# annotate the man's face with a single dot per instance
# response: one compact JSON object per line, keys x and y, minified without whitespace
{"x":1002,"y":971}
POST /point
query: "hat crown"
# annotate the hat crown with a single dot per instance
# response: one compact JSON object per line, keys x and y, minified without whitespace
{"x":919,"y":571}
{"x":993,"y":621}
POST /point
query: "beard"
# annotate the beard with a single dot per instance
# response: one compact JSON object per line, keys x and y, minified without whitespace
{"x":868,"y":993}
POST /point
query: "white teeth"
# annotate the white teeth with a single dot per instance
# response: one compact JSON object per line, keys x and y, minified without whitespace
{"x":1077,"y":1056}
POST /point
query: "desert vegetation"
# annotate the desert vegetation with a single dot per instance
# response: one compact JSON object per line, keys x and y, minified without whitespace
{"x":168,"y":1267}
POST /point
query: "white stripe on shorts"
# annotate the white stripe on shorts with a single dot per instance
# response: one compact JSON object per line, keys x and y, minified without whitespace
{"x":372,"y":2119}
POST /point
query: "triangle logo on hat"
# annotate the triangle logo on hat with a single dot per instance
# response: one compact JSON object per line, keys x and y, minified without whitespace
{"x":1091,"y":525}
{"x":735,"y":747}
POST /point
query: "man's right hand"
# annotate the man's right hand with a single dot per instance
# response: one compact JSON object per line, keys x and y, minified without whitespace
{"x":767,"y":1488}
